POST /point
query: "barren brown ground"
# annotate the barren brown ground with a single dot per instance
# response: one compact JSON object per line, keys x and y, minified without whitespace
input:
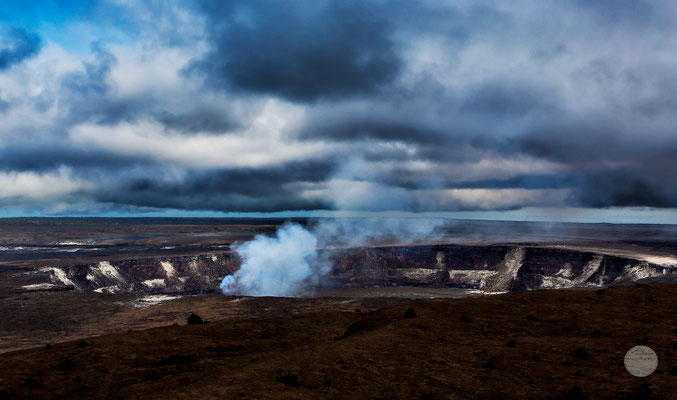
{"x":530,"y":345}
{"x":34,"y":319}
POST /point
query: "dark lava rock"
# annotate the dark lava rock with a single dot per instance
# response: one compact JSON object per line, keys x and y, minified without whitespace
{"x":600,"y":291}
{"x":31,"y":383}
{"x":289,"y":379}
{"x":410,"y":313}
{"x":356,"y":327}
{"x":235,"y":348}
{"x":194,"y":319}
{"x":82,"y":343}
{"x":673,"y":370}
{"x":153,"y":375}
{"x":366,"y":324}
{"x":464,"y":318}
{"x":581,"y":353}
{"x":80,"y":389}
{"x":576,"y":393}
{"x":641,"y":392}
{"x":178,"y":359}
{"x":490,"y":363}
{"x":66,"y":365}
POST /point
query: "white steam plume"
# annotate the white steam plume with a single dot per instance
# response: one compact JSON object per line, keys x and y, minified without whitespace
{"x":289,"y":264}
{"x":284,"y":265}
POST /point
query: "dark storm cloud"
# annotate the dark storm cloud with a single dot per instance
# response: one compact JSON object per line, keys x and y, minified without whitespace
{"x":261,"y":181}
{"x":571,"y":100}
{"x":16,"y":45}
{"x":242,"y":189}
{"x":408,"y":180}
{"x":439,"y":125}
{"x":597,"y":142}
{"x":509,"y":99}
{"x":628,"y":188}
{"x":90,"y":98}
{"x":203,"y":119}
{"x":356,"y":128}
{"x":4,"y":105}
{"x":300,"y":51}
{"x":610,"y":161}
{"x":571,"y":142}
{"x":439,"y":120}
{"x":88,"y":95}
{"x":45,"y":158}
{"x":633,"y":12}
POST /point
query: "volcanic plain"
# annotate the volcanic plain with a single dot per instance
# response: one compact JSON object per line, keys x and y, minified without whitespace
{"x":96,"y":308}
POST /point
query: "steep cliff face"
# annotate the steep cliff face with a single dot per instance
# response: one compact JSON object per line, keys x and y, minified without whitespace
{"x":154,"y":275}
{"x":490,"y":268}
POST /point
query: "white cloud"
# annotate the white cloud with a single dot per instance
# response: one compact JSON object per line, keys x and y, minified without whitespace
{"x":489,"y":199}
{"x":363,"y":195}
{"x":39,"y":186}
{"x":141,"y":70}
{"x":263,"y":143}
{"x":32,"y":89}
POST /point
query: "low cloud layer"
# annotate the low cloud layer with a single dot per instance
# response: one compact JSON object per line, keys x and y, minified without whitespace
{"x":350,"y":105}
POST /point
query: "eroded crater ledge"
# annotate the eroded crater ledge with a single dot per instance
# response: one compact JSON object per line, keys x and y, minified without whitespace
{"x":492,"y":268}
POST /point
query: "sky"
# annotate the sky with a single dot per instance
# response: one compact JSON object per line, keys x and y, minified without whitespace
{"x":528,"y":109}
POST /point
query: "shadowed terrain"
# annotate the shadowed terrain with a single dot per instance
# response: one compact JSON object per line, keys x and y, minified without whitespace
{"x":529,"y":345}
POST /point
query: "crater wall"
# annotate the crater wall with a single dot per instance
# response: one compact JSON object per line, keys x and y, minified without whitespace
{"x":489,"y":268}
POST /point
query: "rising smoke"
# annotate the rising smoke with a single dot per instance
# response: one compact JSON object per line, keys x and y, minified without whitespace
{"x":276,"y":266}
{"x":289,"y":263}
{"x":353,"y":232}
